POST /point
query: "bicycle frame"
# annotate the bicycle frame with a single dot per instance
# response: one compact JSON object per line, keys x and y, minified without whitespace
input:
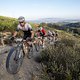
{"x":24,"y":44}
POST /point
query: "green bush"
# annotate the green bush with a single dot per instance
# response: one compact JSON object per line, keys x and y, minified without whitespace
{"x":8,"y":24}
{"x":62,"y":60}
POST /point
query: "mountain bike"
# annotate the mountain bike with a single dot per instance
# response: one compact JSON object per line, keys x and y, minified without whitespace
{"x":16,"y":55}
{"x":38,"y":44}
{"x":50,"y":39}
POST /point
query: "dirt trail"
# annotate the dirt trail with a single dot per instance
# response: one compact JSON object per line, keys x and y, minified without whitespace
{"x":30,"y":69}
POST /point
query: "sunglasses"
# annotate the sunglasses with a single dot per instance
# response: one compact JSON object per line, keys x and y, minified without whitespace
{"x":21,"y":22}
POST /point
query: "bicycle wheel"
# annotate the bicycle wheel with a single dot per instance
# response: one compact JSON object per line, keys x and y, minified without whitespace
{"x":14,"y":60}
{"x":30,"y":51}
{"x":37,"y":47}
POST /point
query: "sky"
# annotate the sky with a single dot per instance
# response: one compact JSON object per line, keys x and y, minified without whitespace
{"x":35,"y":9}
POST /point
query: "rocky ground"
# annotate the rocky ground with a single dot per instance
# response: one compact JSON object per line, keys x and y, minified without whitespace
{"x":30,"y":69}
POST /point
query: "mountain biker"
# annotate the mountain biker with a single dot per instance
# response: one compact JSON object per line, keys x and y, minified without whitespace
{"x":25,"y":27}
{"x":28,"y":33}
{"x":49,"y":33}
{"x":53,"y":33}
{"x":42,"y":33}
{"x":56,"y":35}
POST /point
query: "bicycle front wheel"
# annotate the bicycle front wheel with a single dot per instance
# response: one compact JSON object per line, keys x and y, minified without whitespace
{"x":14,"y":60}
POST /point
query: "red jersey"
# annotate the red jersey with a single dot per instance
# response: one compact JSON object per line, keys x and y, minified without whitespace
{"x":43,"y":31}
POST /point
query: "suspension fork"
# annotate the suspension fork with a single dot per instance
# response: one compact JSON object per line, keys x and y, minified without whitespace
{"x":19,"y":46}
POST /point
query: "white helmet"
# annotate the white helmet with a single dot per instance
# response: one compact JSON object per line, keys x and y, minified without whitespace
{"x":21,"y":19}
{"x":41,"y":28}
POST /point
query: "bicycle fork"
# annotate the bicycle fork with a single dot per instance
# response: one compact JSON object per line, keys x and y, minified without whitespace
{"x":18,"y":53}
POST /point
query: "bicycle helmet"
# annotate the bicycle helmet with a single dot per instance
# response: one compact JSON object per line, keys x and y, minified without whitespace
{"x":40,"y":28}
{"x":21,"y":19}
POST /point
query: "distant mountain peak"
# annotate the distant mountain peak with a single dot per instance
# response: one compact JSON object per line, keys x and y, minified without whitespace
{"x":54,"y":20}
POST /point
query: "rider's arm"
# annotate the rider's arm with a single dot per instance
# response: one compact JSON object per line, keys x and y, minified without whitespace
{"x":15,"y":33}
{"x":17,"y":30}
{"x":32,"y":32}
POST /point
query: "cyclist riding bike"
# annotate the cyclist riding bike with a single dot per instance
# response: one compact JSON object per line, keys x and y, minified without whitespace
{"x":42,"y":33}
{"x":49,"y":33}
{"x":26,"y":28}
{"x":56,"y":36}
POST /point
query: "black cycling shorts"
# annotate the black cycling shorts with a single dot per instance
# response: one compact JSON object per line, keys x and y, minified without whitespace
{"x":27,"y":35}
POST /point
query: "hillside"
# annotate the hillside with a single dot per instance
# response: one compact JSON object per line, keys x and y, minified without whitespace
{"x":68,"y":27}
{"x":7,"y":23}
{"x":30,"y":70}
{"x":62,"y":61}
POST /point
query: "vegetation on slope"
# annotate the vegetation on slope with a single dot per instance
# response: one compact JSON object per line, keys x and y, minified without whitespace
{"x":62,"y":60}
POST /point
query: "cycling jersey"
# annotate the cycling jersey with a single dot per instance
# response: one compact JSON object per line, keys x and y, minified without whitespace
{"x":26,"y":29}
{"x":49,"y":33}
{"x":43,"y":31}
{"x":53,"y":33}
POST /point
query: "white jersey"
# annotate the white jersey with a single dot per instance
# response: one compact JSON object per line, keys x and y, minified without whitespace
{"x":50,"y":33}
{"x":25,"y":28}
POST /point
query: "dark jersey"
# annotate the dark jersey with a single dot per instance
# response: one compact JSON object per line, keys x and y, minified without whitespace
{"x":26,"y":29}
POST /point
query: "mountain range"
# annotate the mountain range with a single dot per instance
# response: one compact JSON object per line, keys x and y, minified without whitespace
{"x":54,"y":20}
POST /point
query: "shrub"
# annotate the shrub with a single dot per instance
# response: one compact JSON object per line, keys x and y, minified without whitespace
{"x":62,"y":60}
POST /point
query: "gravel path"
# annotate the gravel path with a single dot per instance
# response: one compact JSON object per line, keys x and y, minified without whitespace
{"x":30,"y":69}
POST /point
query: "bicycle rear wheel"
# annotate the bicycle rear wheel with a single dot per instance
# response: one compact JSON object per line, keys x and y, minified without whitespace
{"x":14,"y":60}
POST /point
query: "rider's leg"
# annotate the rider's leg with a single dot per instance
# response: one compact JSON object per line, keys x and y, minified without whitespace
{"x":25,"y":47}
{"x":43,"y":42}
